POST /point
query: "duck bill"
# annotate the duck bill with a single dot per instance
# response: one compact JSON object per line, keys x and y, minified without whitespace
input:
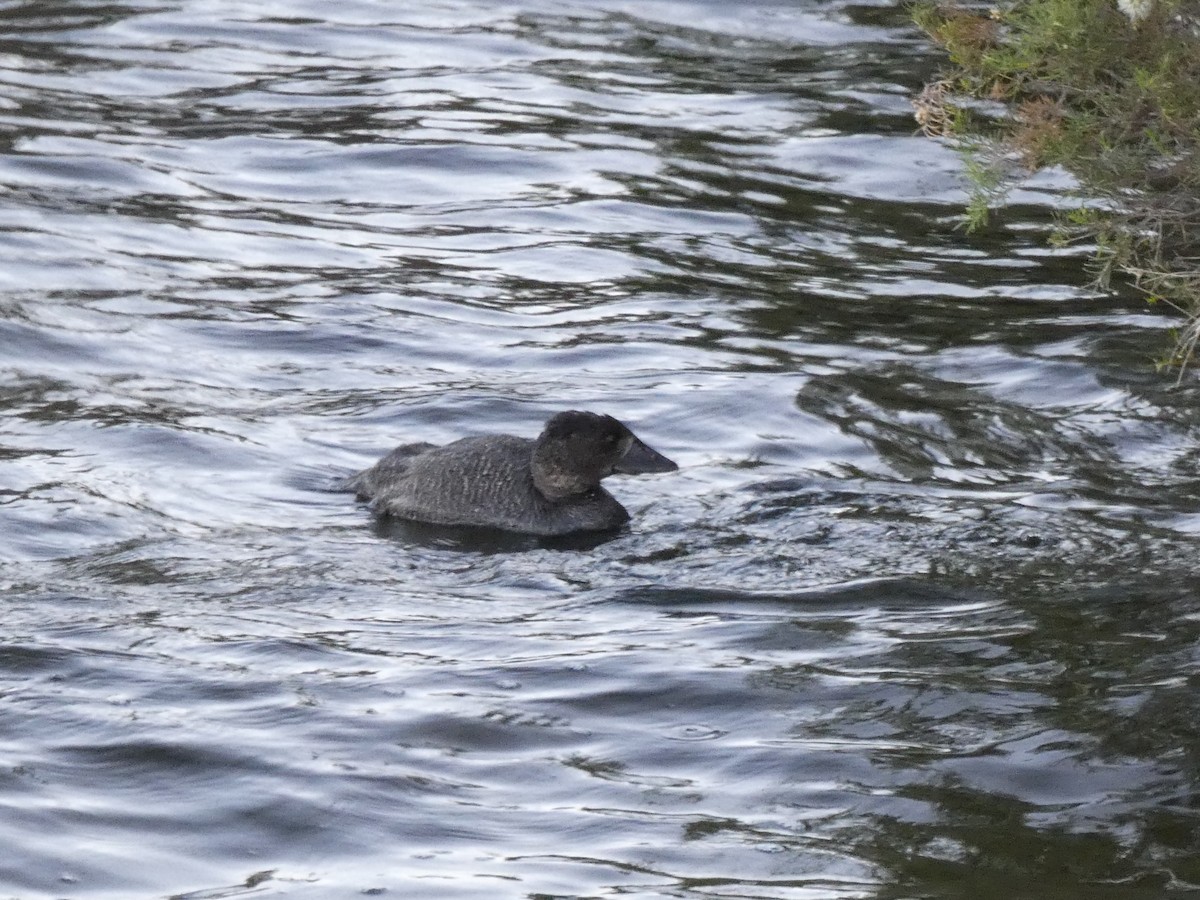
{"x":642,"y":459}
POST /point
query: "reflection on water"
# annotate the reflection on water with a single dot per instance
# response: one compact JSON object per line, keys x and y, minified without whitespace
{"x":916,"y":618}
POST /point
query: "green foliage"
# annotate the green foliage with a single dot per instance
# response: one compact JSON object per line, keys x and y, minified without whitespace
{"x":988,"y":187}
{"x":1114,"y":100}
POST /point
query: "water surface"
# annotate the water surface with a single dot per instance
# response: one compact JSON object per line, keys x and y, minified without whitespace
{"x":916,"y":618}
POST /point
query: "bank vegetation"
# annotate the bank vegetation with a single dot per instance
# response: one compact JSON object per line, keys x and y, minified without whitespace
{"x":1107,"y":89}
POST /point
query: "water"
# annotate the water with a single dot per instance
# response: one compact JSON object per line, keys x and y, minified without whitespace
{"x":916,"y":618}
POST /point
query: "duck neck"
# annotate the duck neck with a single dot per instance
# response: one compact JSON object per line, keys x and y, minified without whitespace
{"x":554,"y":480}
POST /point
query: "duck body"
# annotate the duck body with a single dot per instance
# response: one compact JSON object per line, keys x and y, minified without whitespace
{"x":545,"y":486}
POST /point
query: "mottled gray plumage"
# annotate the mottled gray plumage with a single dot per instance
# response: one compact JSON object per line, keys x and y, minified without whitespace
{"x":547,"y":486}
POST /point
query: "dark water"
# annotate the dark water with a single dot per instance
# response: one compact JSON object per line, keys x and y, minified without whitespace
{"x":918,"y":617}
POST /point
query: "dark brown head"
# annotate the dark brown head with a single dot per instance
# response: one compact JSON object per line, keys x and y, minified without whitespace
{"x":577,"y":449}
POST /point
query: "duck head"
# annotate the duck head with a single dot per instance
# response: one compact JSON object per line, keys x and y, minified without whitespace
{"x":577,"y":449}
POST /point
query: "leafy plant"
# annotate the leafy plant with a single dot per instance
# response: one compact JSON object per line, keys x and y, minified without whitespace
{"x":1108,"y":89}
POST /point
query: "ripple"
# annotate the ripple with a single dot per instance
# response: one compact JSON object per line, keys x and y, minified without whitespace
{"x":918,"y":609}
